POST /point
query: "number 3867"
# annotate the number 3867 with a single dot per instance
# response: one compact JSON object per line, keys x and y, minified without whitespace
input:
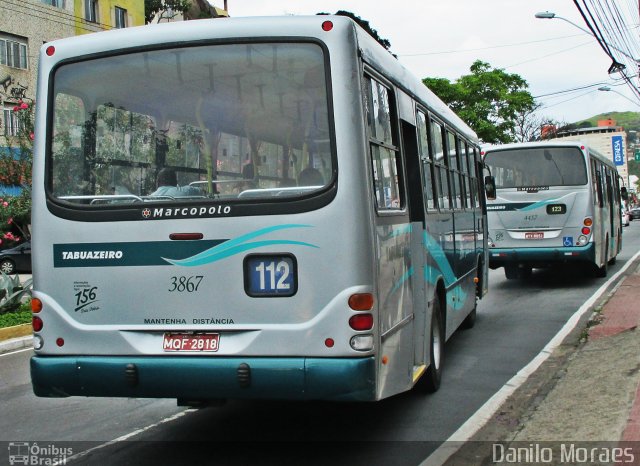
{"x":184,"y":284}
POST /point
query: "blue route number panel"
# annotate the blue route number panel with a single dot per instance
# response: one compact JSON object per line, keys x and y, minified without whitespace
{"x":270,"y":275}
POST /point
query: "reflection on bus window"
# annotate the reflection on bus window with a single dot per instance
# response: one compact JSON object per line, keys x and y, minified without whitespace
{"x":119,"y":120}
{"x":541,"y":166}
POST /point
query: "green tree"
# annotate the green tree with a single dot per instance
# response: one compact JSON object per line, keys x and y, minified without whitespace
{"x":489,"y":100}
{"x":167,"y":9}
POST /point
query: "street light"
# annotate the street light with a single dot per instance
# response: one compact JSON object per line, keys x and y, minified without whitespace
{"x":615,"y":66}
{"x":608,"y":89}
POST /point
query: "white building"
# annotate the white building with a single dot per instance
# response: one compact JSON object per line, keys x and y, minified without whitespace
{"x":608,"y":139}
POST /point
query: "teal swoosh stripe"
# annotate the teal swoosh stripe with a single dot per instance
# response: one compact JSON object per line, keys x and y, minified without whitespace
{"x":402,"y":279}
{"x":537,"y":205}
{"x":402,"y":230}
{"x":214,"y":256}
{"x":243,"y":239}
{"x":238,"y":245}
{"x":439,"y":256}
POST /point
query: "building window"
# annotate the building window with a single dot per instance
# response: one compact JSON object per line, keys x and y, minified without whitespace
{"x":91,"y":10}
{"x":13,"y":53}
{"x":56,"y":3}
{"x":121,"y":18}
{"x":10,"y":122}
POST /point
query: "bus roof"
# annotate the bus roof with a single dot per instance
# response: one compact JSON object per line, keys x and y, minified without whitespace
{"x":275,"y":27}
{"x":549,"y":143}
{"x":377,"y":56}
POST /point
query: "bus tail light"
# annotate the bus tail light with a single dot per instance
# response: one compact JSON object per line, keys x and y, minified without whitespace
{"x":360,"y":322}
{"x":327,"y":26}
{"x":36,"y":323}
{"x":587,"y":222}
{"x":362,"y":342}
{"x":361,"y":301}
{"x":36,"y":305}
{"x":586,"y":230}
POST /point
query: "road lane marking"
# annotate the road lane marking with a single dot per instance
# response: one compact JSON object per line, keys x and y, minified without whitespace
{"x":17,"y":351}
{"x":132,"y":434}
{"x":484,"y":414}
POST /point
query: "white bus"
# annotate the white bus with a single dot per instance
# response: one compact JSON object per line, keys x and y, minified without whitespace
{"x":557,"y":202}
{"x":321,"y":235}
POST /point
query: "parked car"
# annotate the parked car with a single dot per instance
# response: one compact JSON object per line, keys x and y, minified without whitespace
{"x":625,"y":217}
{"x":16,"y":259}
{"x":634,"y":213}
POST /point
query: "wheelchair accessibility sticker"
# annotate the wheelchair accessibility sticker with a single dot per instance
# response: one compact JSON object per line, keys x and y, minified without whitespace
{"x":567,"y":241}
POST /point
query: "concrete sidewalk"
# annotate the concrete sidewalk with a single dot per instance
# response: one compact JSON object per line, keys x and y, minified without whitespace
{"x":582,"y":405}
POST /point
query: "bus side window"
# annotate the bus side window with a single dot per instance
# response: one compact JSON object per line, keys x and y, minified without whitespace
{"x":599,"y":186}
{"x":456,"y":194}
{"x":385,"y":153}
{"x":466,"y":180}
{"x":430,"y":191}
{"x":440,"y":168}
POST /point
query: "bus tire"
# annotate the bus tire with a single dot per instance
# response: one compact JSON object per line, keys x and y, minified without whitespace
{"x":470,"y":320}
{"x":601,"y":272}
{"x":430,"y":381}
{"x":511,"y":272}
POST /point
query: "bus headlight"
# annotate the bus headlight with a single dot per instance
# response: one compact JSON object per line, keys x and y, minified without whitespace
{"x":362,"y":342}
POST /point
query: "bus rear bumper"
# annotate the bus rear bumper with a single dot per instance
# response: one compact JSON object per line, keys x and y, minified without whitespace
{"x":204,"y":378}
{"x":540,"y":257}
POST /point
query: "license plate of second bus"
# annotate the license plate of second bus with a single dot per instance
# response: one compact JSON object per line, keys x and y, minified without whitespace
{"x":191,"y":342}
{"x":534,"y":235}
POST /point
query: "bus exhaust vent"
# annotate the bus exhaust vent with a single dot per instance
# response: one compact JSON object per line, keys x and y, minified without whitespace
{"x":131,"y":375}
{"x":244,"y":375}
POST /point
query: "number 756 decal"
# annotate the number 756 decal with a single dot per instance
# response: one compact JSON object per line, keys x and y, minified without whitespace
{"x":270,"y":275}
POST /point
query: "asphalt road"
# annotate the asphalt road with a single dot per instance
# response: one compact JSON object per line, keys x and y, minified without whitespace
{"x":515,"y":321}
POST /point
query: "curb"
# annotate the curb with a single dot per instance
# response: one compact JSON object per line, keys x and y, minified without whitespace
{"x":16,"y":331}
{"x":498,"y":417}
{"x":15,"y":344}
{"x":16,"y":337}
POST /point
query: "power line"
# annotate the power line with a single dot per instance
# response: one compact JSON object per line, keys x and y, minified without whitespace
{"x":610,"y":30}
{"x":568,"y":100}
{"x":547,"y":55}
{"x":579,"y":88}
{"x":485,"y":48}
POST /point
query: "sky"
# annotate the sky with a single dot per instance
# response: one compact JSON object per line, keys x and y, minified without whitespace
{"x":443,"y":38}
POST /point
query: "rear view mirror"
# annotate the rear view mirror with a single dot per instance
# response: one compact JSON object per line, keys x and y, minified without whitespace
{"x":490,"y":187}
{"x":624,"y":194}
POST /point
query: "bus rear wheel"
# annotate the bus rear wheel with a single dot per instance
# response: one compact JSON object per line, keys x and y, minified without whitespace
{"x":430,"y":381}
{"x":514,"y":272}
{"x":601,"y":272}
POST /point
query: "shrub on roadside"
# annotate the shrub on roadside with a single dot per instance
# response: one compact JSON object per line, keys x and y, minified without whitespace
{"x":21,"y":316}
{"x":12,"y":292}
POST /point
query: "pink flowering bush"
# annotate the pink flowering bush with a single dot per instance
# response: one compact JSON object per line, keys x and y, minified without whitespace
{"x":15,"y":217}
{"x":15,"y":211}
